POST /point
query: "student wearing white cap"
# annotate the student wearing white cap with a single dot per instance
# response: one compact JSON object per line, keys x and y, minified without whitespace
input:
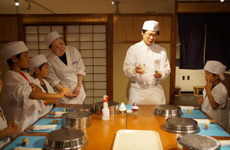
{"x":20,"y":93}
{"x":66,"y":69}
{"x":215,"y":96}
{"x":39,"y":69}
{"x":146,"y":64}
{"x":7,"y":130}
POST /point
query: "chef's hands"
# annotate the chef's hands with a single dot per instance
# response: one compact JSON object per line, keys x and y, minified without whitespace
{"x":77,"y":91}
{"x":140,"y":70}
{"x":11,"y":130}
{"x":35,"y":87}
{"x":64,"y":91}
{"x":157,"y":74}
{"x":200,"y":101}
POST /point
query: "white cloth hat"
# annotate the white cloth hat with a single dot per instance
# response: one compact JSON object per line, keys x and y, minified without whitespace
{"x":151,"y":25}
{"x":36,"y":62}
{"x":51,"y":37}
{"x":13,"y":48}
{"x":215,"y":67}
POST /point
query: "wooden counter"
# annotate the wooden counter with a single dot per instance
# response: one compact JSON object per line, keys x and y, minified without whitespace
{"x":101,"y":134}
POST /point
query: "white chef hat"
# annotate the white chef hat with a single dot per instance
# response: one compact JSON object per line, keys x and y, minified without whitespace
{"x":215,"y":67}
{"x":36,"y":62}
{"x":151,"y":25}
{"x":51,"y":37}
{"x":13,"y":48}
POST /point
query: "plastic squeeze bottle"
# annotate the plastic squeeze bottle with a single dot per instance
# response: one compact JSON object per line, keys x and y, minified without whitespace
{"x":105,"y":110}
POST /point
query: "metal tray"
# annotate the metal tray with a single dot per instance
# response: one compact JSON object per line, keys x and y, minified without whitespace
{"x":137,"y":140}
{"x":77,"y":120}
{"x":83,"y":107}
{"x":65,"y":139}
{"x":181,"y":125}
{"x":168,"y":111}
{"x":113,"y":108}
{"x":198,"y":142}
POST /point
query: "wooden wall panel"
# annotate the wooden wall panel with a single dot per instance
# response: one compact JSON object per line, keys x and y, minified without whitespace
{"x":127,"y":28}
{"x":8,"y":28}
{"x":203,"y":7}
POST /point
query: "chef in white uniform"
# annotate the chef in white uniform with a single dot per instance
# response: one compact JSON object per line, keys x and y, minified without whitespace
{"x":66,"y":69}
{"x":6,"y":131}
{"x":146,"y":64}
{"x":40,"y":63}
{"x":215,"y":96}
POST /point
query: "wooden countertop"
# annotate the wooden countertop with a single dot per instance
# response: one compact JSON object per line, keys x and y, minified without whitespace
{"x":101,"y":134}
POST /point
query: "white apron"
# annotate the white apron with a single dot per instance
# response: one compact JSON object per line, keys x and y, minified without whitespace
{"x":16,"y":104}
{"x":3,"y":125}
{"x":66,"y":75}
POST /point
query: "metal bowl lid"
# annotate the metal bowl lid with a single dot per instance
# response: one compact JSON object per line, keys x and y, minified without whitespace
{"x":81,"y":107}
{"x":110,"y":103}
{"x":65,"y":135}
{"x":168,"y":111}
{"x":181,"y":125}
{"x":76,"y":114}
{"x":198,"y":142}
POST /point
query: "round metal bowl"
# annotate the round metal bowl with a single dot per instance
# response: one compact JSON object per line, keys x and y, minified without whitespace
{"x":168,"y":111}
{"x":113,"y":108}
{"x":181,"y":125}
{"x":83,"y":107}
{"x":197,"y":142}
{"x":76,"y":120}
{"x":65,"y":139}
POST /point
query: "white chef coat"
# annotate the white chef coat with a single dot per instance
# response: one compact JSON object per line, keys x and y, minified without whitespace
{"x":67,"y":74}
{"x":145,"y":89}
{"x":45,"y":109}
{"x":16,"y":104}
{"x":221,"y":113}
{"x":3,"y":125}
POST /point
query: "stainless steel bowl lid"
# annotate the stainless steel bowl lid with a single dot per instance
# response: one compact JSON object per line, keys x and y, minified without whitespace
{"x":199,"y":142}
{"x":167,"y":107}
{"x":65,"y":135}
{"x":82,"y":107}
{"x":76,"y":115}
{"x":181,"y":121}
{"x":168,"y":111}
{"x":110,"y":103}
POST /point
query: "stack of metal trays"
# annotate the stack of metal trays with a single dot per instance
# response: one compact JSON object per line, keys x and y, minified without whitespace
{"x":197,"y":142}
{"x":76,"y":120}
{"x":113,"y":108}
{"x":181,"y":125}
{"x":65,"y":139}
{"x":82,"y":107}
{"x":168,"y":111}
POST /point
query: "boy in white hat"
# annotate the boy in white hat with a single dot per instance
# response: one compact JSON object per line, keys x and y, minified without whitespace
{"x":215,"y":96}
{"x":39,"y":70}
{"x":66,"y":69}
{"x":7,"y":130}
{"x":146,"y":64}
{"x":19,"y":93}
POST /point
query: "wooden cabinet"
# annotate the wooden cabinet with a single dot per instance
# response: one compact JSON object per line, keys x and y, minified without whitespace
{"x":186,"y":78}
{"x":8,"y":28}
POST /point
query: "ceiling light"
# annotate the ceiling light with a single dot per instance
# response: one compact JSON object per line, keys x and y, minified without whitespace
{"x":221,"y":0}
{"x":112,"y":2}
{"x":16,"y":2}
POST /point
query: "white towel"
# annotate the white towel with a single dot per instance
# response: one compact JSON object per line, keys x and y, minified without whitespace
{"x":44,"y":127}
{"x":59,"y":113}
{"x":26,"y":148}
{"x":202,"y":121}
{"x":186,"y":107}
{"x":224,"y":142}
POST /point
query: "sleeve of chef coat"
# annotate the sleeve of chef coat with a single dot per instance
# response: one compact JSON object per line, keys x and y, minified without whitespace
{"x":19,"y":89}
{"x":130,"y":63}
{"x":220,"y":95}
{"x":80,"y":64}
{"x":52,"y":78}
{"x":164,"y":64}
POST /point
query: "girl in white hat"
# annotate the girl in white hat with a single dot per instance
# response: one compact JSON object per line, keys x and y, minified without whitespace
{"x":66,"y":69}
{"x":146,"y":64}
{"x":215,"y":96}
{"x":20,"y":94}
{"x":7,"y":130}
{"x":39,"y":69}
